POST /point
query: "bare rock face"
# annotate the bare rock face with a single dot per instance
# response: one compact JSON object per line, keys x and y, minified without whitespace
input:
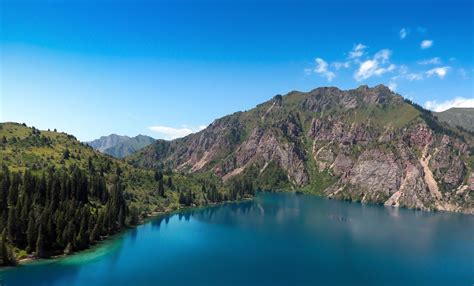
{"x":447,"y":167}
{"x":375,"y":175}
{"x":375,"y":146}
{"x":324,"y":130}
{"x":342,"y":165}
{"x":265,"y":147}
{"x":324,"y":158}
{"x":420,"y":135}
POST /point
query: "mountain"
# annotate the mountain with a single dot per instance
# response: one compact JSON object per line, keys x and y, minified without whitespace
{"x":105,"y":142}
{"x":463,"y":117}
{"x":58,"y":195}
{"x":120,"y":146}
{"x":365,"y":144}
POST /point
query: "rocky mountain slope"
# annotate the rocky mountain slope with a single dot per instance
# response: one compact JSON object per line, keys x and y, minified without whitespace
{"x":463,"y":117}
{"x":365,"y":144}
{"x":120,"y":146}
{"x":105,"y":142}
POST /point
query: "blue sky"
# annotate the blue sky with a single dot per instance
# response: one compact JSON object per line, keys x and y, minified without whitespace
{"x":166,"y":68}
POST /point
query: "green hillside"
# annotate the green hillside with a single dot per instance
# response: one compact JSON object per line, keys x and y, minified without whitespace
{"x":129,"y":146}
{"x":59,"y":195}
{"x":462,"y":117}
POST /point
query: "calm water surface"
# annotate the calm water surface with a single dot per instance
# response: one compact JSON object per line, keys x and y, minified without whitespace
{"x":276,"y":239}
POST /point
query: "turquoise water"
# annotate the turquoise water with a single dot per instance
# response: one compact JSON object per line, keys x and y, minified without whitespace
{"x":276,"y":239}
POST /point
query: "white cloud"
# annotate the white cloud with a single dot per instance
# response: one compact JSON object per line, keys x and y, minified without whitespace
{"x":392,"y":85}
{"x":425,"y":44}
{"x":403,"y":33}
{"x":322,"y":69}
{"x":445,"y":105}
{"x":339,"y":65}
{"x":375,"y":66}
{"x":433,"y":61}
{"x":439,"y":71}
{"x":403,"y":69}
{"x":414,"y":76}
{"x":357,"y":51}
{"x":383,"y":55}
{"x":170,"y":133}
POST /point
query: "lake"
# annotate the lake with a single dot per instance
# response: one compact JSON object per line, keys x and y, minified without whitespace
{"x":275,"y":239}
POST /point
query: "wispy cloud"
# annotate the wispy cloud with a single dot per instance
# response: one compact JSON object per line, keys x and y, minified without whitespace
{"x":353,"y":57}
{"x":340,"y":65}
{"x":364,"y":66}
{"x":414,"y":76}
{"x":432,"y":61}
{"x":463,"y":73}
{"x":403,"y":33}
{"x":392,"y":85}
{"x":357,"y":51}
{"x":171,"y":133}
{"x":322,"y":68}
{"x":425,"y":44}
{"x":445,"y":105}
{"x":439,"y":71}
{"x":376,"y":66}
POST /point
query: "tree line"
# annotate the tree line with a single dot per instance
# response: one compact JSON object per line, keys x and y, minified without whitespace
{"x":58,"y":210}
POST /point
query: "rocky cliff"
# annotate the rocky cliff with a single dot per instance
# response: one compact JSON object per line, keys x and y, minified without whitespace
{"x":120,"y":146}
{"x":365,"y":144}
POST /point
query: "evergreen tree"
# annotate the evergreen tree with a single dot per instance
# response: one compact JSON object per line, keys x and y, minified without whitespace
{"x":40,"y":243}
{"x":158,"y":175}
{"x":66,"y":154}
{"x":6,"y":256}
{"x":161,"y":188}
{"x":31,"y":233}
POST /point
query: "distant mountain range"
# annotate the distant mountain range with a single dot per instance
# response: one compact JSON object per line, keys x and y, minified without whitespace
{"x":463,"y":117}
{"x":120,"y":146}
{"x":365,"y":144}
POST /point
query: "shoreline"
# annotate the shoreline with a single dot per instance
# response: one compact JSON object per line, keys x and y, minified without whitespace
{"x":148,"y":217}
{"x":168,"y":211}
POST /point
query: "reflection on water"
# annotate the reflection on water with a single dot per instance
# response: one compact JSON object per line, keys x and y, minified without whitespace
{"x":275,"y":239}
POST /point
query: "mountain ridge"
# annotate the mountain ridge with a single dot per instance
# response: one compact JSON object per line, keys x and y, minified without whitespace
{"x":120,"y":146}
{"x":364,"y":144}
{"x":457,"y":116}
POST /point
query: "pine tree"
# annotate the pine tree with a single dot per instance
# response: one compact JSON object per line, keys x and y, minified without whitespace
{"x":31,"y":232}
{"x":66,"y":154}
{"x":6,"y":254}
{"x":40,"y":243}
{"x":158,"y":175}
{"x":11,"y":226}
{"x":161,"y":188}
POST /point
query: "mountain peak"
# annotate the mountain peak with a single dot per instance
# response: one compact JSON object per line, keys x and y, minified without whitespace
{"x":120,"y":146}
{"x":365,"y":144}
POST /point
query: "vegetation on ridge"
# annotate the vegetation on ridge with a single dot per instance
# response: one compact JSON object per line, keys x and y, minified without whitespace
{"x":59,"y":195}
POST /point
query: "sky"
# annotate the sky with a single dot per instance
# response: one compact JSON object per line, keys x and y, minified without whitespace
{"x":168,"y":68}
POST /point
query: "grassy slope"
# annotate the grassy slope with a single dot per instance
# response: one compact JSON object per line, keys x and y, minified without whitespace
{"x":129,"y":146}
{"x":463,"y":117}
{"x":30,"y":152}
